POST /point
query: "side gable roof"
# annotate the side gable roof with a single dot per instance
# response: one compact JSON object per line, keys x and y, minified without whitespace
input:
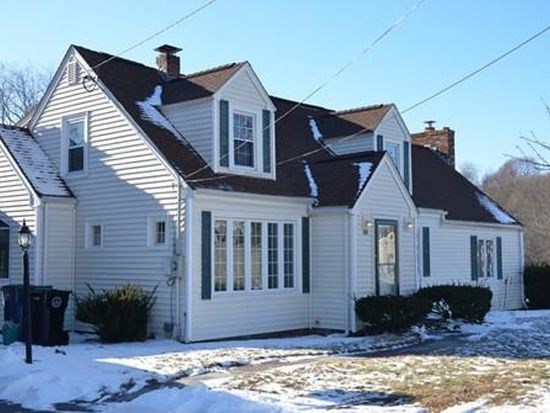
{"x":341,"y":180}
{"x":32,"y":162}
{"x":437,"y":185}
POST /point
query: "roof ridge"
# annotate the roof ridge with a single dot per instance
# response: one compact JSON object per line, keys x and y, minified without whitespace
{"x":108,"y":56}
{"x":213,"y":69}
{"x":303,"y":104}
{"x":361,"y":108}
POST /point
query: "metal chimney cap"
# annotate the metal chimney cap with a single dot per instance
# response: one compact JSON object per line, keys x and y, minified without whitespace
{"x":168,"y":49}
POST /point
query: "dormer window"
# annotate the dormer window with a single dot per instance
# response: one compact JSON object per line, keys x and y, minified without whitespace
{"x":243,"y":139}
{"x":393,"y":151}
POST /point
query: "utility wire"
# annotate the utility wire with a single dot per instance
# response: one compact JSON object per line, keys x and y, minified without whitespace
{"x":475,"y":72}
{"x":461,"y":80}
{"x":152,"y":36}
{"x":329,"y":80}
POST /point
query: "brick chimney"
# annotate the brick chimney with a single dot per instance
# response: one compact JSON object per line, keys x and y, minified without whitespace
{"x":167,"y":59}
{"x":441,"y":139}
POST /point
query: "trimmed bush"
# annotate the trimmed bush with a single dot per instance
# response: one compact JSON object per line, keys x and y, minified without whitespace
{"x":117,"y":315}
{"x":466,"y":302}
{"x":537,"y":286}
{"x":391,"y":313}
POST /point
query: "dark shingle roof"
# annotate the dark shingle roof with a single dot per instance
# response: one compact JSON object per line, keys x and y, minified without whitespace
{"x":437,"y":185}
{"x":352,"y":121}
{"x":339,"y":181}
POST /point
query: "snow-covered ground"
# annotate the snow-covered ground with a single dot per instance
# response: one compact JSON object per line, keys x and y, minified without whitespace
{"x":503,"y":365}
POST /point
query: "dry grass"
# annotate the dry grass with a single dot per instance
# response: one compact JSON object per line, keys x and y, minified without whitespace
{"x":434,"y":382}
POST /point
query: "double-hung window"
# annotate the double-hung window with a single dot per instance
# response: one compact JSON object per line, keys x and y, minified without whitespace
{"x":94,"y":235}
{"x":75,"y":141}
{"x":393,"y":151}
{"x":243,"y":139}
{"x":485,"y":258}
{"x":157,"y":232}
{"x":254,"y":255}
{"x":4,"y":250}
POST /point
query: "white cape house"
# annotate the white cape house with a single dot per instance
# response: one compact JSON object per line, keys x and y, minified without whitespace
{"x":252,"y":215}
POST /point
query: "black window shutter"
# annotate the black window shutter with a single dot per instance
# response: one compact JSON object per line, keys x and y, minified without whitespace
{"x":426,"y":265}
{"x":473,"y":257}
{"x":406,"y":175}
{"x":379,"y":143}
{"x":206,"y":246}
{"x":305,"y":256}
{"x":266,"y":131}
{"x":224,"y":133}
{"x":499,"y":258}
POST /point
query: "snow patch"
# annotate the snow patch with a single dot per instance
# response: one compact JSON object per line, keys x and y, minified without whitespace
{"x":317,"y":135}
{"x":313,"y":188}
{"x":151,"y":113}
{"x":498,"y":213}
{"x":364,"y":169}
{"x":36,"y":166}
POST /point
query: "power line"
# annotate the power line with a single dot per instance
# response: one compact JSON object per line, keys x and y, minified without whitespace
{"x":152,"y":36}
{"x":354,"y":59}
{"x":475,"y":72}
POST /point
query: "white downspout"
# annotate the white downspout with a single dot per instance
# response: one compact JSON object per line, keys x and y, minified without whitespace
{"x":38,"y":276}
{"x":73,"y":266}
{"x":352,"y":269}
{"x":187,"y":337}
{"x":179,"y":269}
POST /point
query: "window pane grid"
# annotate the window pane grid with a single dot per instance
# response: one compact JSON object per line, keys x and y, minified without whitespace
{"x":220,"y":256}
{"x":238,"y":255}
{"x":288,"y":255}
{"x":243,"y":139}
{"x":272,"y":256}
{"x":160,"y":233}
{"x":256,"y":255}
{"x":96,"y":235}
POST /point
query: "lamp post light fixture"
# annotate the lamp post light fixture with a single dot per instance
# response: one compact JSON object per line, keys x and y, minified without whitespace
{"x":24,"y":240}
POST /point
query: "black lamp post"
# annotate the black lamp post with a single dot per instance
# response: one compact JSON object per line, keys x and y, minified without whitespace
{"x":25,"y":241}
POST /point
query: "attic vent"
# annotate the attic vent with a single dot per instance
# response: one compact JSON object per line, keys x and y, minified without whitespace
{"x":72,"y":72}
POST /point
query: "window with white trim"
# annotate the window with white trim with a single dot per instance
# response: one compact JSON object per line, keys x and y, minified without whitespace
{"x":243,"y":139}
{"x":75,"y":144}
{"x":94,"y":235}
{"x":254,"y":255}
{"x":4,"y":250}
{"x":157,"y":232}
{"x":393,"y":151}
{"x":485,"y":258}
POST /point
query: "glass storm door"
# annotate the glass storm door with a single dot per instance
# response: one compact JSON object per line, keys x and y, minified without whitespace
{"x":386,"y":258}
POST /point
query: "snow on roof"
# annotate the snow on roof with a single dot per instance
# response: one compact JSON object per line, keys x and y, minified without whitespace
{"x":35,"y":165}
{"x":317,"y":135}
{"x":364,"y":170}
{"x":150,"y":113}
{"x":497,"y":212}
{"x":313,"y":188}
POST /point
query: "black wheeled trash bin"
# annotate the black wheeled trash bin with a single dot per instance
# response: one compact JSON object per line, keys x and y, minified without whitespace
{"x":48,"y":314}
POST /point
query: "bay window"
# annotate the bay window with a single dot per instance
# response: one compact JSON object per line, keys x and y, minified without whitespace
{"x":253,"y":255}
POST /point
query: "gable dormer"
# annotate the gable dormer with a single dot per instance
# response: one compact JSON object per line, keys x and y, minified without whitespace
{"x":244,"y":132}
{"x":369,"y":128}
{"x":227,"y":116}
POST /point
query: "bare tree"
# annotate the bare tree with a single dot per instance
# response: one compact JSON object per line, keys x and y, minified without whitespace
{"x":471,"y":172}
{"x":524,"y":191}
{"x":20,"y":91}
{"x":536,"y":151}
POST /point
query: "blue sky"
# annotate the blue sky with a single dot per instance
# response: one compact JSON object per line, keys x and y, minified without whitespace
{"x":294,"y":45}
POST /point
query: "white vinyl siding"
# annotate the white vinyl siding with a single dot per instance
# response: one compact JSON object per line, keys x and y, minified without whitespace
{"x":451,"y":262}
{"x":15,"y":206}
{"x":384,"y":201}
{"x":125,"y":184}
{"x":328,"y":271}
{"x":343,"y":145}
{"x":194,"y":121}
{"x":240,"y":313}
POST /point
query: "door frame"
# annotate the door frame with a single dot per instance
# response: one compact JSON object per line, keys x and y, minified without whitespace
{"x":377,"y":223}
